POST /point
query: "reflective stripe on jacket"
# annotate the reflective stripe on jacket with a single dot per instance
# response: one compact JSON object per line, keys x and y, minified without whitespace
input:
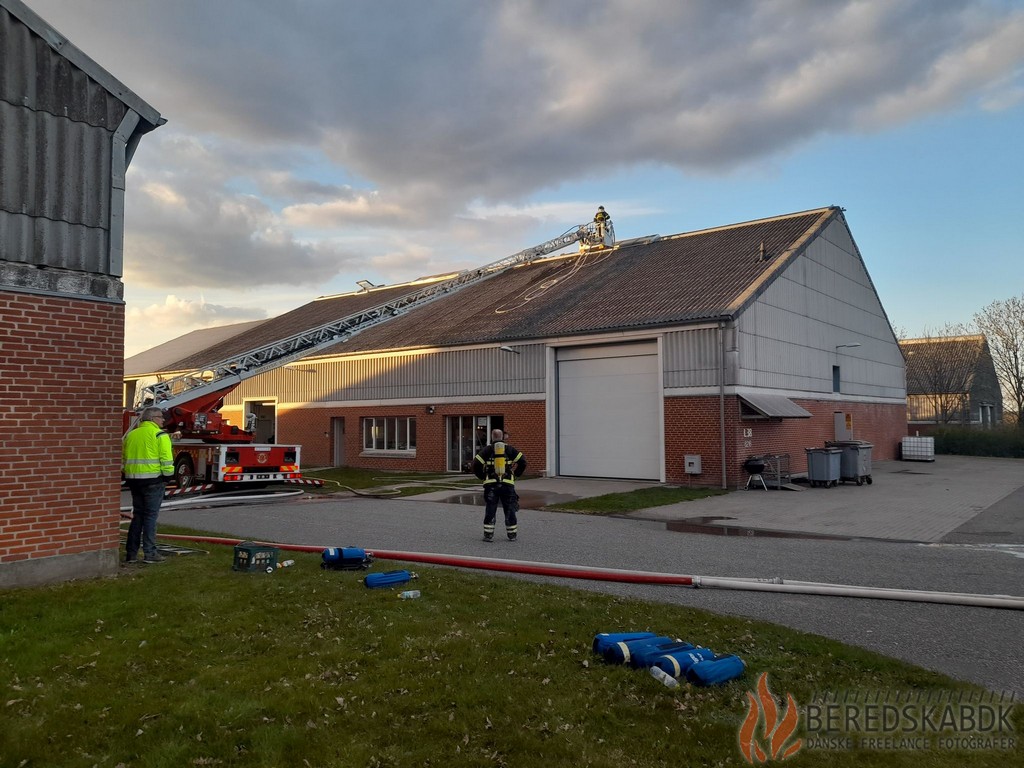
{"x":146,"y":453}
{"x":483,"y":465}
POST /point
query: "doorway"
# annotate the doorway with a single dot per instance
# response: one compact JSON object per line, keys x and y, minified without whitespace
{"x":466,"y":436}
{"x":263,"y":416}
{"x":338,"y":440}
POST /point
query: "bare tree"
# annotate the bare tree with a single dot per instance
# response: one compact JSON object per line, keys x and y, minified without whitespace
{"x":940,"y":366}
{"x":1003,"y":323}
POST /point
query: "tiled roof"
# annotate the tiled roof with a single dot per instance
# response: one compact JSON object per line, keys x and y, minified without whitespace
{"x":640,"y":284}
{"x":941,"y":362}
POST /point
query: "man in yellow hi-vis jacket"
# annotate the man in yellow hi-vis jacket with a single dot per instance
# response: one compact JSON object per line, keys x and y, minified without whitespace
{"x":498,"y":465}
{"x":147,"y":462}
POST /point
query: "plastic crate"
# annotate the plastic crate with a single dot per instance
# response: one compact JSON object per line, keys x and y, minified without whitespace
{"x":250,"y":557}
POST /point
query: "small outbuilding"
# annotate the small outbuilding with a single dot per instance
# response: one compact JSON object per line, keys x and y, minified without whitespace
{"x":951,"y":380}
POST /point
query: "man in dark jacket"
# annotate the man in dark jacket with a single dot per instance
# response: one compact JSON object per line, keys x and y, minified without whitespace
{"x":498,"y":465}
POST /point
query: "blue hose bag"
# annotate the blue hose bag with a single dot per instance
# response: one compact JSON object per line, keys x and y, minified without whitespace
{"x":603,"y":640}
{"x":386,"y":579}
{"x":626,"y":651}
{"x":716,"y":671}
{"x":676,"y":663}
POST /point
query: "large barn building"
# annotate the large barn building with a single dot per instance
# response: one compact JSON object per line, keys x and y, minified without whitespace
{"x":68,"y":130}
{"x":670,"y":359}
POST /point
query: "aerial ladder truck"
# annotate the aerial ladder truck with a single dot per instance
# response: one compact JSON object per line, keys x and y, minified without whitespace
{"x":210,"y":451}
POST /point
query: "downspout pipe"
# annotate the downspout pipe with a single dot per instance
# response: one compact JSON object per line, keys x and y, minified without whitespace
{"x":721,"y":403}
{"x":1009,"y":602}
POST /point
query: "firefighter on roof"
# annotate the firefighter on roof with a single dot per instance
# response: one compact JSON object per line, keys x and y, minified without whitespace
{"x":498,"y":465}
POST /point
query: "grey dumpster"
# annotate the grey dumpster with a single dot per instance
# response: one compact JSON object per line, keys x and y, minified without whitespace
{"x":823,"y":465}
{"x":855,"y":464}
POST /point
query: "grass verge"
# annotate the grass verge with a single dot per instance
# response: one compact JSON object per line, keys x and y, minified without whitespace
{"x":189,"y":663}
{"x":631,"y":501}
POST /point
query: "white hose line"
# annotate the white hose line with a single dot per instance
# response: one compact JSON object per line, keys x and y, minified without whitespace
{"x":845,"y":590}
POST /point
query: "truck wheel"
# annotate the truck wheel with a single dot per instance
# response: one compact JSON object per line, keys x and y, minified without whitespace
{"x":184,"y":471}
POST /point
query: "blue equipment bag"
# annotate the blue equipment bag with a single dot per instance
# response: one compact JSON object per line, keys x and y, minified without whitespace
{"x":644,"y":656}
{"x":604,"y":639}
{"x":720,"y":669}
{"x":387,"y":579}
{"x":345,"y":559}
{"x":676,"y":663}
{"x":622,"y":651}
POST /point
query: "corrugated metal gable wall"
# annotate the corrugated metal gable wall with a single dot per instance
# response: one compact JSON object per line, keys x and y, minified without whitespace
{"x":789,"y":335}
{"x":691,"y":358}
{"x":55,"y":157}
{"x":452,"y":373}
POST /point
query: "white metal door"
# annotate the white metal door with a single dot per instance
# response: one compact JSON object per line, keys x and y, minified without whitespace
{"x":609,"y":412}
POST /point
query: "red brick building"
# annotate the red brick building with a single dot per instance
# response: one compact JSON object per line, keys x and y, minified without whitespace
{"x":61,"y":118}
{"x":664,"y":358}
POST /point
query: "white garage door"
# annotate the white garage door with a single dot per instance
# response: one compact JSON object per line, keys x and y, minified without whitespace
{"x":609,"y":415}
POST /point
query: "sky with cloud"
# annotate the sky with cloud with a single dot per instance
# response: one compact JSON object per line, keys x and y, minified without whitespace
{"x":314,"y":143}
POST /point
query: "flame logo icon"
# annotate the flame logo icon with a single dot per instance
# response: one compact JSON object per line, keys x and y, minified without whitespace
{"x":775,"y":731}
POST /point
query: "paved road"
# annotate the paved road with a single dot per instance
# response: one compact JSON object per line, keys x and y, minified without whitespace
{"x":980,"y":645}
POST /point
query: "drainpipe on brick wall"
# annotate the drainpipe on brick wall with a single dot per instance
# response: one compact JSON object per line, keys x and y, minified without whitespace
{"x":721,"y":402}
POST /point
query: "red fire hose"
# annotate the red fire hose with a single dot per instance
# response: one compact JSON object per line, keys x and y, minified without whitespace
{"x":648,"y":577}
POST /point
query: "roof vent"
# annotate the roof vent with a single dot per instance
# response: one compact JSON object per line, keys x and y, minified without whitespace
{"x":763,"y":254}
{"x":366,"y":285}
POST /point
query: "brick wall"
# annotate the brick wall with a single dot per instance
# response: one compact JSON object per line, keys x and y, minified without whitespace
{"x":311,"y":428}
{"x":692,"y":427}
{"x":60,"y":412}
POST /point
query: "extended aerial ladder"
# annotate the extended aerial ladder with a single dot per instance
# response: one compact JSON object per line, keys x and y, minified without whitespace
{"x":191,"y":399}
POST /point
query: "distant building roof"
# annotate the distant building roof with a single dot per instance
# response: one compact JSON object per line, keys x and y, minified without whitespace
{"x":642,"y":283}
{"x":163,"y":356}
{"x":942,"y":361}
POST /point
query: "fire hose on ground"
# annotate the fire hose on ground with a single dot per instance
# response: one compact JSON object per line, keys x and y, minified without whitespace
{"x":592,"y":573}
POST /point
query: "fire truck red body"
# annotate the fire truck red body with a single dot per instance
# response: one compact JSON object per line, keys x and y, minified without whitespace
{"x":210,"y":450}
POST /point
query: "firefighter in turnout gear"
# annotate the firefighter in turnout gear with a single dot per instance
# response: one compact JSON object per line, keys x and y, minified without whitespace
{"x":147,"y":463}
{"x":498,"y":465}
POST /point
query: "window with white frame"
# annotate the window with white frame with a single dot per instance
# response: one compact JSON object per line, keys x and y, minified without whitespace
{"x":389,"y":433}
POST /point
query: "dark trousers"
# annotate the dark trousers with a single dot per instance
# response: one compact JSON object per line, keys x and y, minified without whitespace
{"x":146,"y":500}
{"x":506,"y":494}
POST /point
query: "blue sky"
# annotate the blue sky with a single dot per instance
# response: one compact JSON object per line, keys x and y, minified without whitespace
{"x":314,"y":143}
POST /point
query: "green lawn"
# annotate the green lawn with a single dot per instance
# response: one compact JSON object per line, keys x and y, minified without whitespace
{"x":189,"y":663}
{"x":631,"y":501}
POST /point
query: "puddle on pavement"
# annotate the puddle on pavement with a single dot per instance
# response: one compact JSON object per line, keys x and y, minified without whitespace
{"x":527,"y":499}
{"x":707,"y":525}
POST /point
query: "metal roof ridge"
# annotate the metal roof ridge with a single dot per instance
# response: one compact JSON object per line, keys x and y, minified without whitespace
{"x":781,"y":217}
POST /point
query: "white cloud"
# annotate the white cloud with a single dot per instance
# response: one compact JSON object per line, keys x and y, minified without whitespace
{"x":152,"y":324}
{"x":324,"y":141}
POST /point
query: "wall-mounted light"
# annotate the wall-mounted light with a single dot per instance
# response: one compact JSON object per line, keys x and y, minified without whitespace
{"x":430,"y":410}
{"x":509,"y":349}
